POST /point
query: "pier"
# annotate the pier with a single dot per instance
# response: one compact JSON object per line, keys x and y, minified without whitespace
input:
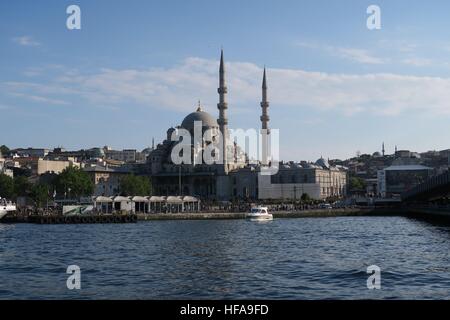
{"x":416,"y":212}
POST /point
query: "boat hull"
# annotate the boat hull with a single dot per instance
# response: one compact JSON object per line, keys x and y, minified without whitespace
{"x":261,"y":217}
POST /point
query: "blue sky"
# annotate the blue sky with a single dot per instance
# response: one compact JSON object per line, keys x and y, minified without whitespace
{"x":138,"y":67}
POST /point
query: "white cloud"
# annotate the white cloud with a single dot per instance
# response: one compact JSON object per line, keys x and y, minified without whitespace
{"x":353,"y":54}
{"x":33,"y":72}
{"x":26,"y":41}
{"x":180,"y":86}
{"x":366,"y":57}
{"x":358,"y":55}
{"x":41,"y":99}
{"x":401,"y":46}
{"x":418,"y":62}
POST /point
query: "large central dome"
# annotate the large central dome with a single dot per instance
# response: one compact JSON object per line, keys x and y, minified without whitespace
{"x":207,"y":120}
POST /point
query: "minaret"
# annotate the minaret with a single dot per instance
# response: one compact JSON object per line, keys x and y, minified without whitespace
{"x":383,"y":149}
{"x":223,"y":106}
{"x":264,"y":104}
{"x":265,"y":121}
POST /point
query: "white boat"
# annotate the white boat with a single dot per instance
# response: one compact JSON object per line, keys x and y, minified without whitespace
{"x":259,"y":214}
{"x":6,"y":207}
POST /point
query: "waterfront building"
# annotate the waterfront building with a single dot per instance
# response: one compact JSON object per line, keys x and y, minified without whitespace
{"x":396,"y":179}
{"x":106,"y":179}
{"x":318,"y":180}
{"x":147,"y":204}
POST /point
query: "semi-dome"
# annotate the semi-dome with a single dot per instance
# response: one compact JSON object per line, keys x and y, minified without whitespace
{"x":323,"y":163}
{"x":207,"y":120}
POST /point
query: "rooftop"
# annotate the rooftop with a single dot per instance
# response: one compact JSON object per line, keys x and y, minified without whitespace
{"x":409,"y":167}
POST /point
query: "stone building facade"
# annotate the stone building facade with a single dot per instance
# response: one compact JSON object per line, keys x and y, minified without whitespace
{"x":106,"y":180}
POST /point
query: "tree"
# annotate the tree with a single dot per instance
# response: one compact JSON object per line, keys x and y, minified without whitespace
{"x":357,"y":183}
{"x":4,"y":149}
{"x":6,"y":186}
{"x":40,"y":194}
{"x":305,"y":197}
{"x":132,"y":185}
{"x":22,"y":187}
{"x":74,"y":182}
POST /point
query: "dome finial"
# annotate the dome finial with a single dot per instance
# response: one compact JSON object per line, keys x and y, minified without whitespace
{"x":199,"y":108}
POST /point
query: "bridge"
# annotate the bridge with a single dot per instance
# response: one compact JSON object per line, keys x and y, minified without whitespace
{"x":430,"y":198}
{"x":434,"y":188}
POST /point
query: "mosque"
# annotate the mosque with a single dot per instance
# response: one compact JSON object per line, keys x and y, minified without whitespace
{"x":235,"y":177}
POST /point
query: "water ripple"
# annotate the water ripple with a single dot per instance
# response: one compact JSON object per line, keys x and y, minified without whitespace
{"x":320,"y":258}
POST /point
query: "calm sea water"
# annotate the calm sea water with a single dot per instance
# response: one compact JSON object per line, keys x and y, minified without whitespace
{"x":321,"y":258}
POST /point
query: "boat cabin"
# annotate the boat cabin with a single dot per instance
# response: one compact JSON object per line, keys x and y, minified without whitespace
{"x":260,"y":210}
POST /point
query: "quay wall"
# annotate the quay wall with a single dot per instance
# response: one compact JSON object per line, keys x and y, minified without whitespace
{"x":421,"y":213}
{"x":278,"y":214}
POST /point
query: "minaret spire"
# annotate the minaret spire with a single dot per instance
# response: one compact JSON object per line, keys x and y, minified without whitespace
{"x":383,"y":149}
{"x":264,"y":104}
{"x":265,"y":131}
{"x":264,"y":83}
{"x":223,"y":106}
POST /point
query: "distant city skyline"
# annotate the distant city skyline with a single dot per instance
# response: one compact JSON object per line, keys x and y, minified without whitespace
{"x":136,"y":68}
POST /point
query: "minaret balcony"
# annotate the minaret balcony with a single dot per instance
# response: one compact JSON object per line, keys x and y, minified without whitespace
{"x":223,"y":122}
{"x":222,"y":105}
{"x":222,"y":90}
